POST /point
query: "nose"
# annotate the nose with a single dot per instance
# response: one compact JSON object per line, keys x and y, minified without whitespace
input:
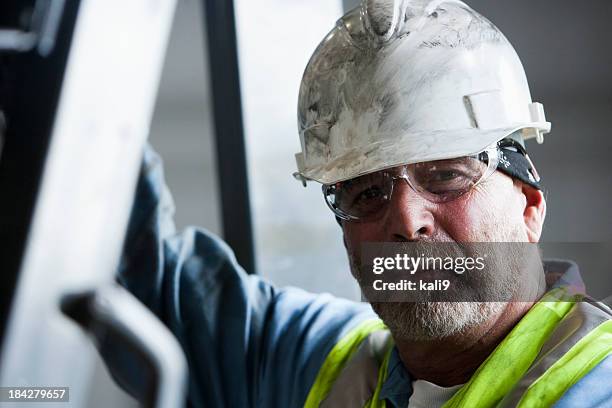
{"x":408,"y":217}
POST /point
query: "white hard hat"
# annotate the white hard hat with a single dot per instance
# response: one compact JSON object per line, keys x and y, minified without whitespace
{"x":405,"y":81}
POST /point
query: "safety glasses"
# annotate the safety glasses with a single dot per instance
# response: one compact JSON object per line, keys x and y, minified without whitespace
{"x":367,"y":197}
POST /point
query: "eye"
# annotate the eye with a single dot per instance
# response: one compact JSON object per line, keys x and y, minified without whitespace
{"x":446,"y":179}
{"x":363,"y":195}
{"x":444,"y":175}
{"x":370,"y":193}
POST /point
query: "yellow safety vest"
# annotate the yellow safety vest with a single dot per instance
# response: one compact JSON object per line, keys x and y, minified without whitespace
{"x":553,"y":346}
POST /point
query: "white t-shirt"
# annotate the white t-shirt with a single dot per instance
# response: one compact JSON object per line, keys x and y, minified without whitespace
{"x":430,"y":395}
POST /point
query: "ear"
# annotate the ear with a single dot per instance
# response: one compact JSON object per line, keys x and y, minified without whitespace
{"x":534,"y":213}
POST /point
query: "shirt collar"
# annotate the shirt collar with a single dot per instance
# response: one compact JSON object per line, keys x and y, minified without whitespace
{"x":397,"y":388}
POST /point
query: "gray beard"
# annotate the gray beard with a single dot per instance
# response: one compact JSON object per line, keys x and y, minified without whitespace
{"x":427,"y":319}
{"x":422,"y":321}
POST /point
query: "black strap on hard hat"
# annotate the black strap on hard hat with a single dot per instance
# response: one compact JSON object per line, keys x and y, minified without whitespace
{"x":515,"y":162}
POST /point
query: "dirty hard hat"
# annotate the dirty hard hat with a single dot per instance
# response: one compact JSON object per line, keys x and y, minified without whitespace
{"x":407,"y":81}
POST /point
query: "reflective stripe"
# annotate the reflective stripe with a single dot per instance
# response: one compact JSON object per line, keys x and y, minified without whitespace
{"x":354,"y":386}
{"x":578,"y":323}
{"x":513,"y":356}
{"x":570,"y":368}
{"x":337,"y":358}
{"x":382,"y":377}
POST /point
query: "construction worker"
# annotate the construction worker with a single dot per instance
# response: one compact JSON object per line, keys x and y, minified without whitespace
{"x":413,"y":115}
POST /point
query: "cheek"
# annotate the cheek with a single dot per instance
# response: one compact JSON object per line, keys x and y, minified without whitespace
{"x":351,"y":236}
{"x":483,"y":216}
{"x":357,"y":233}
{"x":465,"y":220}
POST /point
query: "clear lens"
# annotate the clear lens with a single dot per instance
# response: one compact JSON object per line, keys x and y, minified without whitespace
{"x":445,"y":180}
{"x":439,"y":181}
{"x":360,"y":197}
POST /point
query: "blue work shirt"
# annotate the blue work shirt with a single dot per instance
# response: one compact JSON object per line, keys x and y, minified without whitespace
{"x":247,"y":342}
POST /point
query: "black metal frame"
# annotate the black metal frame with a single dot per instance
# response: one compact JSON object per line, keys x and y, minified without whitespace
{"x":230,"y":144}
{"x":30,"y":85}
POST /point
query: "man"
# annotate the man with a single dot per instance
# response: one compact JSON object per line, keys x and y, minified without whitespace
{"x":413,"y":116}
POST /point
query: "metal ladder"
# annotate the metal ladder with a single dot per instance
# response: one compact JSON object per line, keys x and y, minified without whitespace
{"x":72,"y":142}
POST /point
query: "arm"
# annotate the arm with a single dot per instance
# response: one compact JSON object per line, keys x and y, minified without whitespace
{"x":247,"y":342}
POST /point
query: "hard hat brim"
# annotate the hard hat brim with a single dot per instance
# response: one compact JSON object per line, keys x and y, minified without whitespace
{"x":412,"y":148}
